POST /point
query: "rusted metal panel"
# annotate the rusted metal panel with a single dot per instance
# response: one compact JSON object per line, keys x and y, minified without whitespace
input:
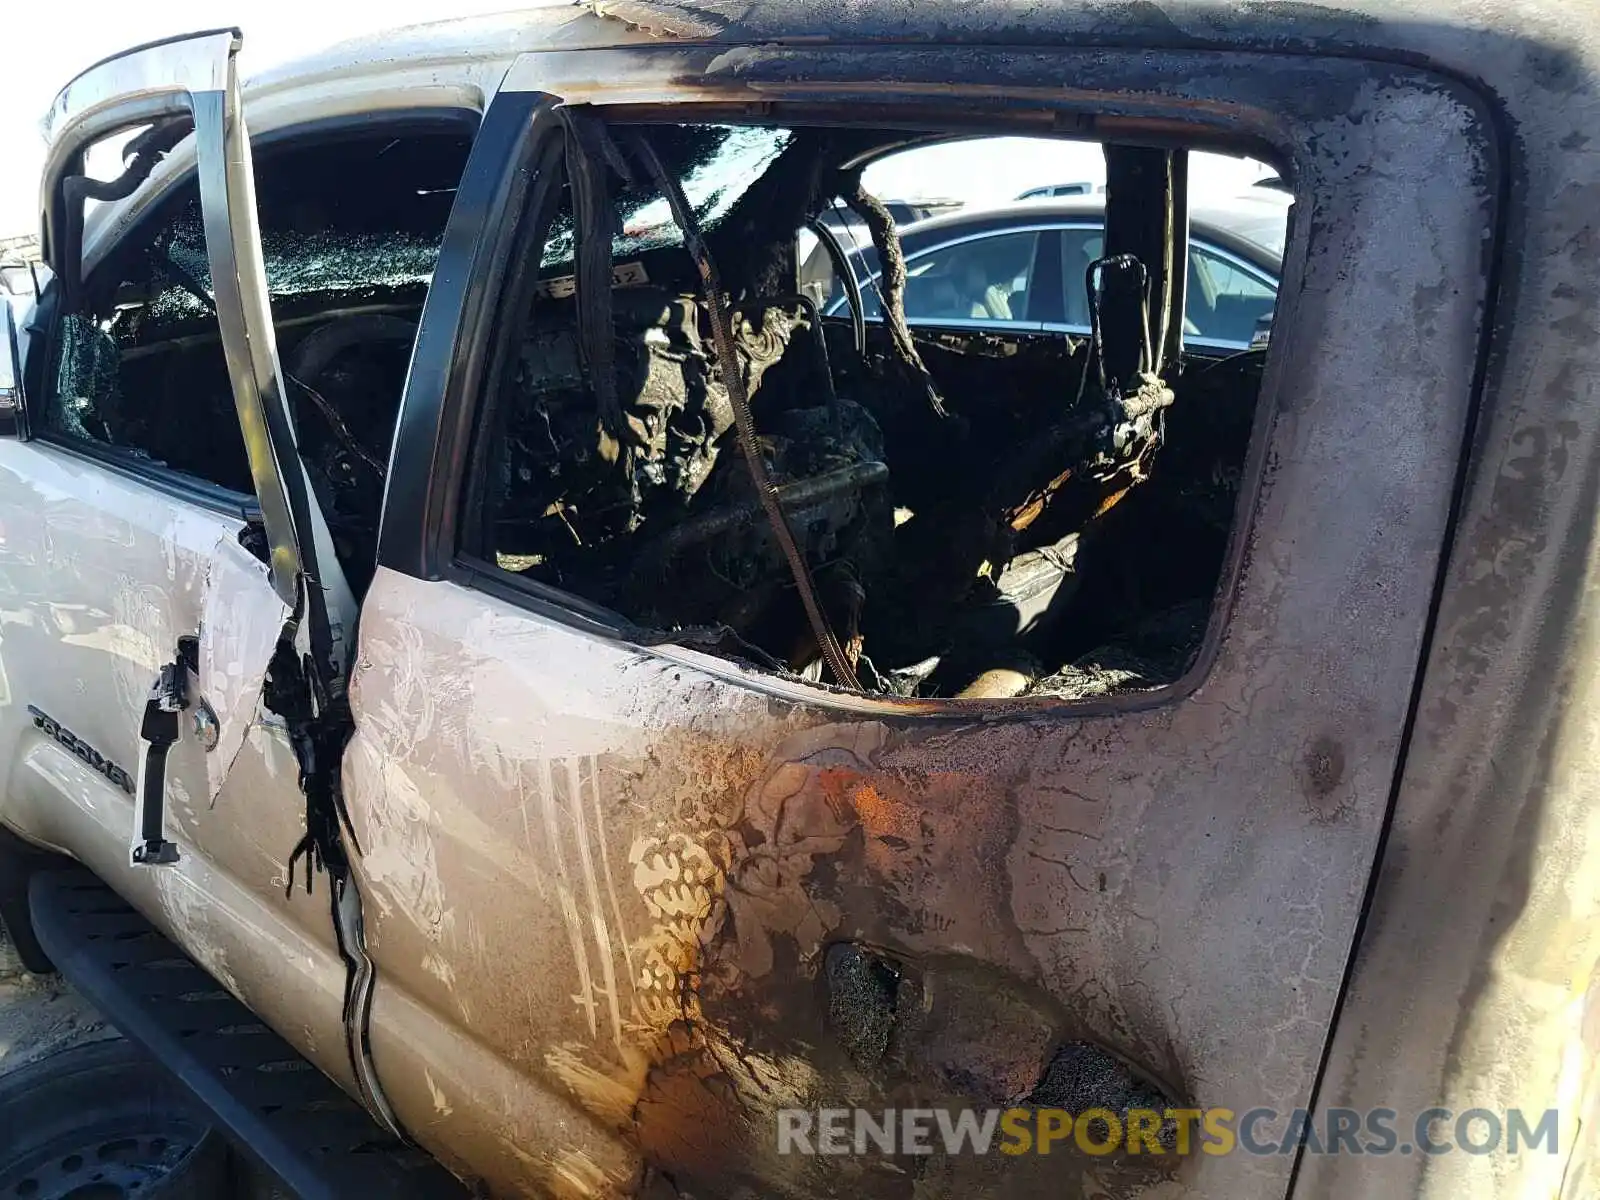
{"x":1148,"y":879}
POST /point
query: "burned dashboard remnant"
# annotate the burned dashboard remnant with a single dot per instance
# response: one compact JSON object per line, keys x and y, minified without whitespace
{"x":930,"y":507}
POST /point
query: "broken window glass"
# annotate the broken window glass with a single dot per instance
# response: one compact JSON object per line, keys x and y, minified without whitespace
{"x":326,"y":264}
{"x":716,"y":163}
{"x":350,"y":230}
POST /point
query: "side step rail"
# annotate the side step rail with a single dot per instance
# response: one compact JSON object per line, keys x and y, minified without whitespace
{"x":274,"y":1105}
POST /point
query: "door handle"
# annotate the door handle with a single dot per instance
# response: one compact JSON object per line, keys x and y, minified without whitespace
{"x":169,"y":696}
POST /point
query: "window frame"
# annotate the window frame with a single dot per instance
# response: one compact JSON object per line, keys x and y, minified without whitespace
{"x":518,"y":286}
{"x":153,"y":204}
{"x":1258,"y":114}
{"x":462,"y":369}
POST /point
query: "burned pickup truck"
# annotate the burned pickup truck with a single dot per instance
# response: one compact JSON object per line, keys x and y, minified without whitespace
{"x":505,"y":693}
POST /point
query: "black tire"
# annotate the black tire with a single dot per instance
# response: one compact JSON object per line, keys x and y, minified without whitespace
{"x":103,"y":1122}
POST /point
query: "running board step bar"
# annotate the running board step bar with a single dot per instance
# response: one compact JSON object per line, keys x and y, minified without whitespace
{"x":272,"y":1103}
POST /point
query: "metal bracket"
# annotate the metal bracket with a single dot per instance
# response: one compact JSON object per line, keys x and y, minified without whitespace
{"x":169,"y":696}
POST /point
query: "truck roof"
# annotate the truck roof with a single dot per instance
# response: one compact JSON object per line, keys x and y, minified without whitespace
{"x":1537,"y":60}
{"x":1452,"y":34}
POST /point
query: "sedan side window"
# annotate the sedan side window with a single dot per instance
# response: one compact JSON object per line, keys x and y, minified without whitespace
{"x":1080,"y":246}
{"x":1224,"y":301}
{"x":980,"y":279}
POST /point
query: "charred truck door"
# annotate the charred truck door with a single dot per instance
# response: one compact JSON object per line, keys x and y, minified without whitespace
{"x":156,"y":96}
{"x":182,"y":620}
{"x":252,"y":592}
{"x":659,"y":906}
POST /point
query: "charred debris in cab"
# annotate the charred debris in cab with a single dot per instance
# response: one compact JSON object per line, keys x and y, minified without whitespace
{"x":683,"y":440}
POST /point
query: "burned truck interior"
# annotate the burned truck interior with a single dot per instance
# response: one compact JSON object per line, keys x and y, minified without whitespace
{"x":677,"y":437}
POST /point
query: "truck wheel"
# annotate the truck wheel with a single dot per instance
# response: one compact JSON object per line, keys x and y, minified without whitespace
{"x":101,"y":1122}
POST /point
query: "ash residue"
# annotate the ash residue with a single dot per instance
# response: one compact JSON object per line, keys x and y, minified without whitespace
{"x":1082,"y":1076}
{"x":862,"y":988}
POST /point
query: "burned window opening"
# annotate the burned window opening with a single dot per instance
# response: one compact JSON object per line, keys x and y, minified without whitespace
{"x":1062,"y":532}
{"x":350,"y":228}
